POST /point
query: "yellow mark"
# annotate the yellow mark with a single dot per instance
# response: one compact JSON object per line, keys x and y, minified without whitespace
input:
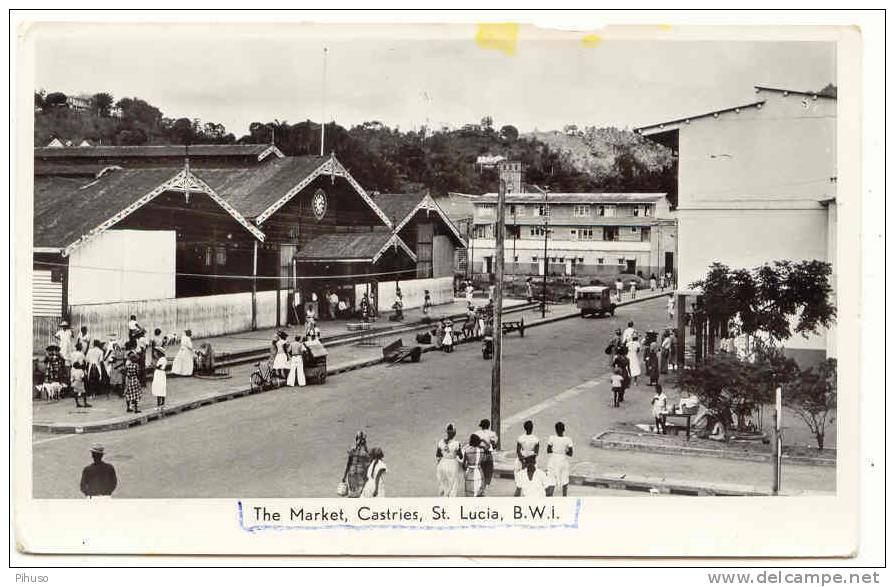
{"x":591,"y":40}
{"x":500,"y":36}
{"x":665,"y":27}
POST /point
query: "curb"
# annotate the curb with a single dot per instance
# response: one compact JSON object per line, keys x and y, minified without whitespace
{"x":694,"y":451}
{"x":152,"y":415}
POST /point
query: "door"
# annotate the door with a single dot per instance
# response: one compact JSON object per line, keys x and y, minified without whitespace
{"x":631,"y":266}
{"x":669,"y":262}
{"x":488,"y":265}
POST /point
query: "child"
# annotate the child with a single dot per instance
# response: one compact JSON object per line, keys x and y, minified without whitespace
{"x":617,"y":383}
{"x":77,"y":385}
{"x":660,"y":408}
{"x":448,"y":342}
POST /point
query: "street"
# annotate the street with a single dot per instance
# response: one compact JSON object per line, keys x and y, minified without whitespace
{"x":292,"y":442}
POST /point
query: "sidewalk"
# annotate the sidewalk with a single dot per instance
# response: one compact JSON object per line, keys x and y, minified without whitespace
{"x":187,"y":393}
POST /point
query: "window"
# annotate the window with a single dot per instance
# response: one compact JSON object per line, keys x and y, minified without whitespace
{"x":481,"y":231}
{"x":209,"y":256}
{"x":602,"y":210}
{"x":516,"y":259}
{"x":220,"y":257}
{"x":621,"y":260}
{"x":585,"y":234}
{"x":512,"y":209}
{"x":544,"y":210}
{"x":582,"y":210}
{"x":647,"y":210}
{"x":645,"y":233}
{"x":636,"y":210}
{"x":610,"y":233}
{"x":581,"y":259}
{"x":633,"y":229}
{"x":487,"y":209}
{"x":600,"y":260}
{"x":536,"y":231}
{"x":534,"y":259}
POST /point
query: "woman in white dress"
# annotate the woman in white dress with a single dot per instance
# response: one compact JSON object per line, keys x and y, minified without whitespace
{"x":447,"y":343}
{"x":160,"y":382}
{"x":280,"y":359}
{"x":375,"y":484}
{"x":526,"y":443}
{"x":559,"y":449}
{"x":66,"y":339}
{"x":448,"y":468}
{"x":183,"y":362}
{"x":531,"y":481}
{"x":296,"y":376}
{"x":634,"y":358}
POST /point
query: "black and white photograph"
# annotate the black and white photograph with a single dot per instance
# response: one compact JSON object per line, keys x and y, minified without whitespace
{"x":364,"y":263}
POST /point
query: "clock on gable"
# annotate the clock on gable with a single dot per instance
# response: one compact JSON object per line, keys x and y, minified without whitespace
{"x":318,"y":204}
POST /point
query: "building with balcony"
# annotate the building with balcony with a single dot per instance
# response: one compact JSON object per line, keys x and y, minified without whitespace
{"x":587,"y":234}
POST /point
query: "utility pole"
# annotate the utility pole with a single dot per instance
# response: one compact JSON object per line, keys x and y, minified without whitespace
{"x":499,"y":235}
{"x":777,"y":440}
{"x":546,"y":260}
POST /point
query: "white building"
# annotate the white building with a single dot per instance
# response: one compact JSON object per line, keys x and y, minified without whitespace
{"x":588,"y":234}
{"x":756,"y":183}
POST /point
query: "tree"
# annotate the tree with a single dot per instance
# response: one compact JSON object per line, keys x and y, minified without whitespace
{"x":102,"y":103}
{"x":39,"y":100}
{"x":812,"y":395}
{"x":56,"y":100}
{"x":508,"y":132}
{"x":182,"y":131}
{"x":131,"y":137}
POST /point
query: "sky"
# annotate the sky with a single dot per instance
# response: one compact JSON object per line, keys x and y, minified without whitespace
{"x":236,"y":74}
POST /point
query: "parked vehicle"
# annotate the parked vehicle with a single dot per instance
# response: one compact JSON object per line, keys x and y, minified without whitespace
{"x":595,"y":300}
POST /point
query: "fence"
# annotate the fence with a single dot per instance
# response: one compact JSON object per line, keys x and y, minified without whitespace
{"x":441,"y":291}
{"x":204,"y":315}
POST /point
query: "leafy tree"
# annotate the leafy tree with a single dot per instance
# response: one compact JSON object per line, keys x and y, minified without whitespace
{"x":182,"y":132}
{"x":508,"y":132}
{"x":102,"y":103}
{"x":131,"y":137}
{"x":812,"y":395}
{"x":56,"y":100}
{"x":39,"y":99}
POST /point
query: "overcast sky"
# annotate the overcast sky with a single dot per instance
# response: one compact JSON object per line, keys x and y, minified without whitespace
{"x":257,"y":73}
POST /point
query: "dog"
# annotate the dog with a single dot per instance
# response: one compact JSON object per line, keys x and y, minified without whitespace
{"x":50,"y":391}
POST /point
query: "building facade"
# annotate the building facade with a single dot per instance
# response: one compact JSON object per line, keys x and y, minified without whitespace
{"x":756,"y":183}
{"x":586,"y":234}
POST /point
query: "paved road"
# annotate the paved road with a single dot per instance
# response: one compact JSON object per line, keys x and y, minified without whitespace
{"x":292,"y":442}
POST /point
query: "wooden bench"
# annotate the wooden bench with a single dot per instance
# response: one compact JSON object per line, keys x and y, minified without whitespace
{"x":397,"y":352}
{"x":514,"y":325}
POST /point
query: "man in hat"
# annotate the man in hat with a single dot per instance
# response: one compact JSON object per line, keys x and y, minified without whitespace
{"x":98,"y":479}
{"x":66,"y":339}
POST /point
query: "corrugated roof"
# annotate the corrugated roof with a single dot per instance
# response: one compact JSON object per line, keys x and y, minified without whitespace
{"x":68,"y":169}
{"x":398,"y":206}
{"x":361,"y":246}
{"x":576,"y":198}
{"x":252,"y":190}
{"x":687,"y":119}
{"x":66,"y":209}
{"x":151,"y":151}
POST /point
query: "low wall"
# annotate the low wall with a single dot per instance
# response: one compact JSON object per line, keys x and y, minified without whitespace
{"x":441,"y":291}
{"x":204,"y":315}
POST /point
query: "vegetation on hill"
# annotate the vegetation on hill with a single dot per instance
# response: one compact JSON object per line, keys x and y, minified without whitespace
{"x":382,"y":158}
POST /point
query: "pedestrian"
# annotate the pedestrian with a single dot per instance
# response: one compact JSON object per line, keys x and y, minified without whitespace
{"x":355,"y":475}
{"x":115,"y":367}
{"x":84,"y":339}
{"x":529,"y":294}
{"x":629,"y":333}
{"x":427,"y":302}
{"x":559,"y":449}
{"x":527,"y":442}
{"x":296,"y":377}
{"x":634,"y":358}
{"x":134,"y":330}
{"x":623,"y":364}
{"x":619,"y":286}
{"x":96,"y":373}
{"x":617,"y":382}
{"x":488,"y":439}
{"x":633,"y":288}
{"x":333,"y":305}
{"x":662,"y":282}
{"x":614,"y":344}
{"x":315,"y":306}
{"x":671,"y":308}
{"x":374,"y":308}
{"x":652,"y":282}
{"x":469,"y":290}
{"x":374,"y":486}
{"x":313,"y":332}
{"x":531,"y":481}
{"x":183,"y":364}
{"x":447,"y":342}
{"x":133,"y":390}
{"x":78,"y":384}
{"x":280,"y":357}
{"x":65,"y":339}
{"x":474,"y":477}
{"x":77,"y":358}
{"x":660,"y":409}
{"x":365,"y":308}
{"x":448,"y":467}
{"x":653,"y":355}
{"x":98,"y":480}
{"x":160,"y":382}
{"x":491,"y":289}
{"x":664,"y":352}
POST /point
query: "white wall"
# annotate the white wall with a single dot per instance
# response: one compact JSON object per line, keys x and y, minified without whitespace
{"x":441,"y":290}
{"x":123,"y":266}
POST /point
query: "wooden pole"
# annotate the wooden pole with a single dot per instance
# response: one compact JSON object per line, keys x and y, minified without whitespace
{"x":546,"y":260}
{"x":777,"y":439}
{"x":255,"y":286}
{"x":279,"y":281}
{"x":497,"y":360}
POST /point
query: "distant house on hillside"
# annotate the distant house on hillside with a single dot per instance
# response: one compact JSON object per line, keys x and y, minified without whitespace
{"x":488,"y":161}
{"x":79,"y":103}
{"x":55,"y":143}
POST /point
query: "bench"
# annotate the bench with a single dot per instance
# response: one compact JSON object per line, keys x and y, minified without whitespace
{"x":397,"y":352}
{"x":682,"y":423}
{"x":514,"y":325}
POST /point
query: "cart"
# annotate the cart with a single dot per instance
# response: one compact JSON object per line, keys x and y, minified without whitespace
{"x":397,"y":352}
{"x":315,"y":362}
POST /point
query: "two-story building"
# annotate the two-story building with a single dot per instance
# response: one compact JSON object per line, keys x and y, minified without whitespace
{"x":585,"y":234}
{"x":756,"y":183}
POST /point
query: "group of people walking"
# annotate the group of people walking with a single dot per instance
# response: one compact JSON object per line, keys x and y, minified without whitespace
{"x":365,"y":470}
{"x":534,"y":482}
{"x":289,"y":356}
{"x":89,"y":366}
{"x":465,"y":470}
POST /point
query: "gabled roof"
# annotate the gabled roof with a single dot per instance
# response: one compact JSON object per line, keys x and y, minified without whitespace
{"x":366,"y":247}
{"x":576,"y":198}
{"x":70,"y":212}
{"x":108,"y":151}
{"x":759,"y":89}
{"x":661,"y":126}
{"x":401,"y":208}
